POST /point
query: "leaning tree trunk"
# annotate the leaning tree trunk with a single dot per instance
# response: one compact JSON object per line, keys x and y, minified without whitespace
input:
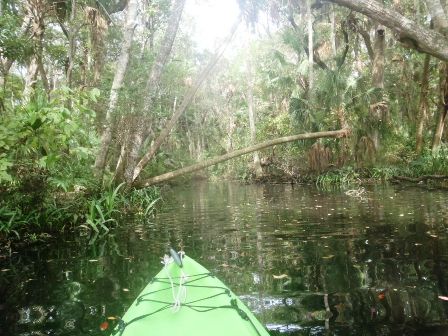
{"x":247,"y":150}
{"x":422,"y":113}
{"x":183,"y":106}
{"x":152,"y":88}
{"x":122,"y":63}
{"x":411,"y":34}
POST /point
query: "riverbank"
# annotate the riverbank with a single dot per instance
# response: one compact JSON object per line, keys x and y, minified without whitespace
{"x":35,"y":210}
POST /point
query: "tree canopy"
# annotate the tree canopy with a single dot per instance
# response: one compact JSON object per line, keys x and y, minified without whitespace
{"x":99,"y":93}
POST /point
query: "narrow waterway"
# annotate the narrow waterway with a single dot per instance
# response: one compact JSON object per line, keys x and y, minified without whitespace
{"x":306,"y":261}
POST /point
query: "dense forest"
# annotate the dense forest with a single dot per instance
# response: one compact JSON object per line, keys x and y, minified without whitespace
{"x":101,"y":100}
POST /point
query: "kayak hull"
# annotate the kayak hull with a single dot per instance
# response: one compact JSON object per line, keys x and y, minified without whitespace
{"x":188,"y":300}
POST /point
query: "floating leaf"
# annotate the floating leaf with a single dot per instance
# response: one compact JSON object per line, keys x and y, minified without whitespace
{"x":281,"y":276}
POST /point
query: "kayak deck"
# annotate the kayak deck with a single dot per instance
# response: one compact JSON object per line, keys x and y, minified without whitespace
{"x":188,"y":301}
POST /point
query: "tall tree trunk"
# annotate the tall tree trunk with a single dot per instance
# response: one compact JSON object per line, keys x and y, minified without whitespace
{"x":379,"y":59}
{"x":71,"y":44}
{"x":152,"y":87}
{"x":440,"y":21}
{"x":311,"y":49}
{"x":30,"y":79}
{"x":122,"y":63}
{"x":41,"y":68}
{"x":411,"y":34}
{"x":418,"y":11}
{"x":443,"y":106}
{"x":230,"y":128}
{"x":377,"y":106}
{"x":251,"y":111}
{"x":183,"y":106}
{"x":98,"y":27}
{"x":36,"y":11}
{"x":247,"y":150}
{"x":423,"y":106}
{"x":367,"y":41}
{"x":438,"y":15}
{"x":333,"y":30}
{"x":38,"y":30}
{"x":85,"y":66}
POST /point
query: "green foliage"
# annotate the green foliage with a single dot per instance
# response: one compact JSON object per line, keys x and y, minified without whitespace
{"x":22,"y":212}
{"x":45,"y":134}
{"x":97,"y":217}
{"x":344,"y":177}
{"x":143,"y":201}
{"x":383,"y":173}
{"x":104,"y":211}
{"x":8,"y":222}
{"x":429,"y":163}
{"x":13,"y":44}
{"x":48,"y":140}
{"x":45,"y":146}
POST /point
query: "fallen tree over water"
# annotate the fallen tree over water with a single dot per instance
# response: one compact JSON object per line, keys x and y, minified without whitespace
{"x":207,"y":163}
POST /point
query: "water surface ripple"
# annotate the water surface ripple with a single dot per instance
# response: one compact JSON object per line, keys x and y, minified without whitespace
{"x":306,"y":261}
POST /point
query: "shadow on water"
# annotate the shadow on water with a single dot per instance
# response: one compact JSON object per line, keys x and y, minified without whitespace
{"x":307,"y":262}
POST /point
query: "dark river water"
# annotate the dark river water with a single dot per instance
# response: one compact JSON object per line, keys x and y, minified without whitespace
{"x":306,"y":261}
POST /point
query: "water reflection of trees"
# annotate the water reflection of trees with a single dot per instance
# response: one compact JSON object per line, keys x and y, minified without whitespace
{"x":348,"y":264}
{"x":305,"y":261}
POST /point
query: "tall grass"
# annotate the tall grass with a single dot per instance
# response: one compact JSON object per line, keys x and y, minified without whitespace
{"x":58,"y":211}
{"x":343,"y":177}
{"x":104,"y":211}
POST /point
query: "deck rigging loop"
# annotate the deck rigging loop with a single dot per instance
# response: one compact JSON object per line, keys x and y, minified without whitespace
{"x":181,"y":294}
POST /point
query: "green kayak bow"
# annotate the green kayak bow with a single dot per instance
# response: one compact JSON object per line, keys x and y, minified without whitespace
{"x":186,"y":299}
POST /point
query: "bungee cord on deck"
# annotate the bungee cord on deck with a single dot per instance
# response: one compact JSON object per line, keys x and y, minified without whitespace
{"x":179,"y":298}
